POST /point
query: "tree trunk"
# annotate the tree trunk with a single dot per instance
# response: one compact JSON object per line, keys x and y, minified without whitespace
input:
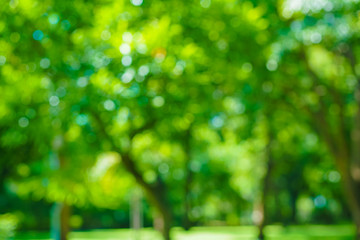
{"x":64,"y":219}
{"x":166,"y":225}
{"x":60,"y":216}
{"x":155,"y":193}
{"x":163,"y":206}
{"x":261,"y":223}
{"x":351,"y":190}
{"x":187,"y":224}
{"x":136,"y":213}
{"x":261,"y":209}
{"x":354,"y":178}
{"x":262,"y":218}
{"x":162,"y":219}
{"x":350,"y":170}
{"x":351,"y":174}
{"x":293,"y":198}
{"x":345,"y":150}
{"x":158,"y":200}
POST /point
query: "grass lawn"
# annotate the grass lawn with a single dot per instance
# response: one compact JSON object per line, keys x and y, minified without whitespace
{"x":307,"y":232}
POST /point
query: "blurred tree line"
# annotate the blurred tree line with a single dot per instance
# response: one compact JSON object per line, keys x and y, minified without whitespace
{"x":221,"y":112}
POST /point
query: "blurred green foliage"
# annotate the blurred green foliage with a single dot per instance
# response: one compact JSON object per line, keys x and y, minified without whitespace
{"x":8,"y":224}
{"x":212,"y":108}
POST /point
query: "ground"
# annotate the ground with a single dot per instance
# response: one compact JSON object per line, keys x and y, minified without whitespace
{"x":308,"y":232}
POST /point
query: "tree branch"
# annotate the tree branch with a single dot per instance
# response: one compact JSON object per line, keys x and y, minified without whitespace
{"x":355,"y":133}
{"x":129,"y":164}
{"x":338,"y":143}
{"x":150,"y":124}
{"x":352,"y":60}
{"x":155,"y":192}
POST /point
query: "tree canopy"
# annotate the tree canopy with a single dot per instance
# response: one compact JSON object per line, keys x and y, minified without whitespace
{"x":233,"y":111}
